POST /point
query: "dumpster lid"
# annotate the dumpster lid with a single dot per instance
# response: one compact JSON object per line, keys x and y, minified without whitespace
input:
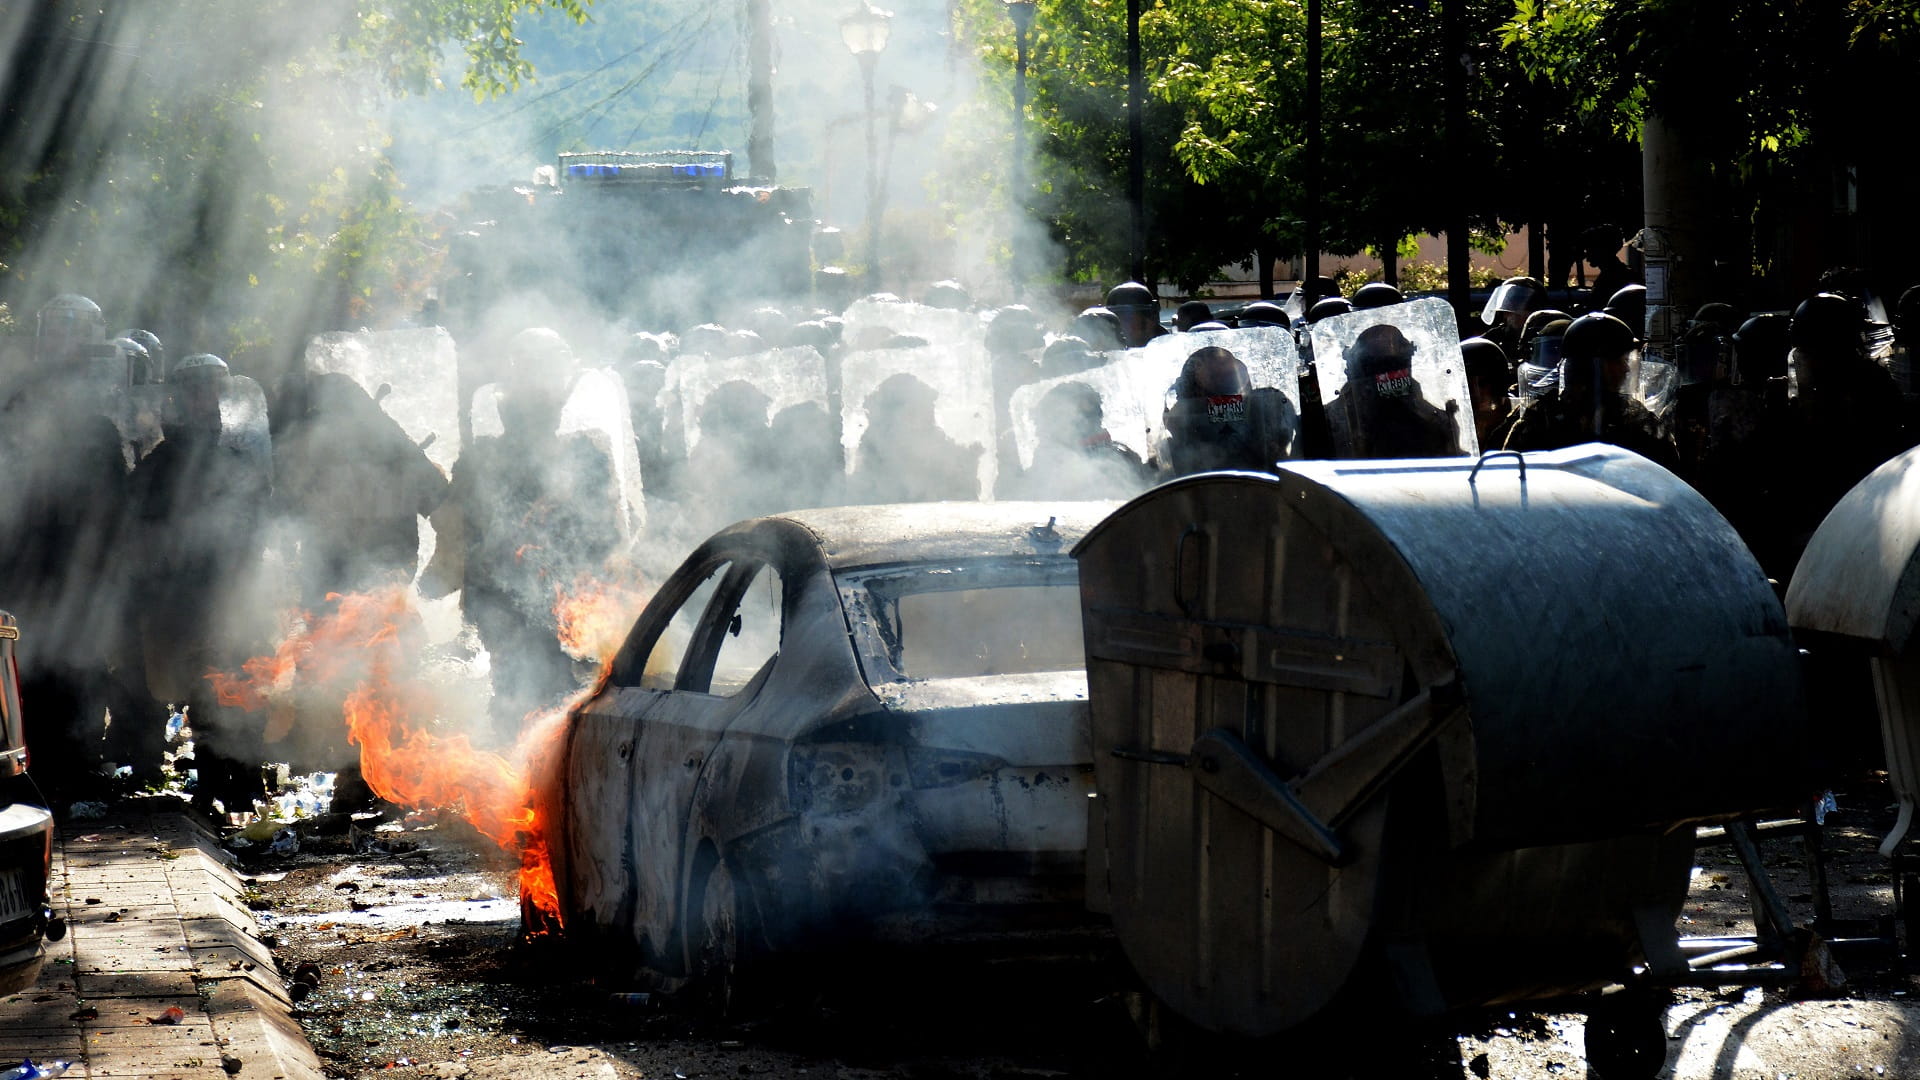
{"x":1860,"y":574}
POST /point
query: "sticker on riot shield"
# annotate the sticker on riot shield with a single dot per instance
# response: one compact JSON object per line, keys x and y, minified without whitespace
{"x":1140,"y":390}
{"x":917,"y":423}
{"x":778,"y":380}
{"x":1393,"y":382}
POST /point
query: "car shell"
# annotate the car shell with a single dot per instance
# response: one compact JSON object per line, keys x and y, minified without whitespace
{"x":829,"y":798}
{"x":26,"y":839}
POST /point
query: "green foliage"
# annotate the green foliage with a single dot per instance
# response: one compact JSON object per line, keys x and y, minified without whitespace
{"x":216,"y":169}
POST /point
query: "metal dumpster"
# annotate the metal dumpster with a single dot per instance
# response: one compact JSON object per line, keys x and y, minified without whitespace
{"x":1857,"y":586}
{"x":1425,"y":733}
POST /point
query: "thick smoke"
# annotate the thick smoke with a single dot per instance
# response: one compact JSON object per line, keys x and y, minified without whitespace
{"x":701,"y":361}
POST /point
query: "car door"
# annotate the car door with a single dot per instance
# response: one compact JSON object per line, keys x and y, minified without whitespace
{"x":637,"y":749}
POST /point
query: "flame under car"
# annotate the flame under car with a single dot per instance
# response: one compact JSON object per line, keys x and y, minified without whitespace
{"x":860,"y":724}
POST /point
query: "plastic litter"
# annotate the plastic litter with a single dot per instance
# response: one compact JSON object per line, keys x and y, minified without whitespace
{"x":87,"y":811}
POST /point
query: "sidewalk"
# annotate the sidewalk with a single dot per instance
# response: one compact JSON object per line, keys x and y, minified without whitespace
{"x":155,"y":920}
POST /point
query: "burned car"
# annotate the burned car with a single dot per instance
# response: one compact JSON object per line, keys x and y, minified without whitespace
{"x":26,"y":840}
{"x":864,"y":724}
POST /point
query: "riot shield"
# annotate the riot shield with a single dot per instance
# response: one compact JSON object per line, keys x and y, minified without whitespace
{"x":917,"y":423}
{"x":787,"y":377}
{"x":1135,"y":387}
{"x":596,"y":414}
{"x":243,"y":421}
{"x":419,"y":368}
{"x":1394,"y":383}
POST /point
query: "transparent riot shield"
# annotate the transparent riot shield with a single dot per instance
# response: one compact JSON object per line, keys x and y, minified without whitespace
{"x":243,"y":421}
{"x":1137,"y":387}
{"x":918,"y":423}
{"x":596,"y":414}
{"x":1394,"y":383}
{"x":418,"y":368}
{"x":786,"y":377}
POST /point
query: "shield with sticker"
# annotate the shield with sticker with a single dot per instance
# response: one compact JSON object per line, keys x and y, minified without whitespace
{"x":1394,"y":382}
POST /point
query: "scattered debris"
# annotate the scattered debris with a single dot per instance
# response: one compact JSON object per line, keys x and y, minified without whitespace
{"x":170,"y":1015}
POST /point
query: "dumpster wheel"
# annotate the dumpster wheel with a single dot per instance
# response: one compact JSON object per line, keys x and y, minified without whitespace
{"x":1627,"y":1035}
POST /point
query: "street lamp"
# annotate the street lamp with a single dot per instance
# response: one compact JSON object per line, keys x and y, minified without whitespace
{"x":865,"y":35}
{"x":1021,"y":12}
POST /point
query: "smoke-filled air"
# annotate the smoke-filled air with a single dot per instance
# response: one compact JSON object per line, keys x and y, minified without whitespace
{"x":369,"y":366}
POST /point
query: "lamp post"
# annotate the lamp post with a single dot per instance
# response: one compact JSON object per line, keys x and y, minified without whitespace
{"x":1021,"y":12}
{"x":865,"y":35}
{"x":1136,"y":148}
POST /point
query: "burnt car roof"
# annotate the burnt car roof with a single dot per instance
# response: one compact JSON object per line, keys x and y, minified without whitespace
{"x":855,"y":536}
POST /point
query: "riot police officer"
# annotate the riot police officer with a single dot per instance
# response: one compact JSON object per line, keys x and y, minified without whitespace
{"x":1216,"y":419}
{"x":199,"y":501}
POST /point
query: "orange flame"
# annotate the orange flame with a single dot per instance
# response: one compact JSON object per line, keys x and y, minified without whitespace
{"x":364,"y":649}
{"x":593,"y":616}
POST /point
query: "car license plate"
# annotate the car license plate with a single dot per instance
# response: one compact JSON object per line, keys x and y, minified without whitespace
{"x":14,"y":893}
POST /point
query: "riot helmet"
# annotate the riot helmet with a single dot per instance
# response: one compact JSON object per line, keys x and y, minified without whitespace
{"x":195,"y":387}
{"x":1538,"y":372}
{"x":1827,"y":321}
{"x":1598,"y":335}
{"x":1723,"y":316}
{"x":948,"y":294}
{"x":139,"y":362}
{"x":1100,"y":328}
{"x":1191,"y":314}
{"x":1906,"y":317}
{"x":1328,"y":308}
{"x":1538,"y":321}
{"x":1629,"y":305}
{"x":1216,"y":376}
{"x":1380,"y":362}
{"x":156,"y":353}
{"x":1595,"y":358}
{"x":1070,"y":415}
{"x":1485,"y":360}
{"x":1014,"y":329}
{"x":1513,"y":298}
{"x":1701,"y":352}
{"x":1209,"y":327}
{"x":1376,"y":294}
{"x":1066,"y":355}
{"x":65,"y":323}
{"x":1137,"y":311}
{"x":1760,"y":347}
{"x":1264,"y":313}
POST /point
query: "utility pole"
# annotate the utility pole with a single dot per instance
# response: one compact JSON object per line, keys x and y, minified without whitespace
{"x":760,"y":164}
{"x":1137,"y":148}
{"x":1310,"y":271}
{"x":1453,"y":53}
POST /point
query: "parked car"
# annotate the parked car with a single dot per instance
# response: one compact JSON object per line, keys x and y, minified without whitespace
{"x":866,"y":723}
{"x":26,"y":839}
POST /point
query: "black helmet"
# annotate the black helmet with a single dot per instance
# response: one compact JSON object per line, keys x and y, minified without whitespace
{"x":1760,"y":346}
{"x":1598,"y":336}
{"x":1484,"y":360}
{"x":1515,"y":294}
{"x":1130,"y":294}
{"x":1207,"y":327}
{"x":1328,"y":308}
{"x":1264,"y":313}
{"x":1629,"y":305}
{"x":1722,"y":316}
{"x":1014,"y":329}
{"x":1538,"y":321}
{"x":1376,"y":294}
{"x":1191,"y":314}
{"x":1828,"y":321}
{"x":1100,"y":328}
{"x":197,"y":367}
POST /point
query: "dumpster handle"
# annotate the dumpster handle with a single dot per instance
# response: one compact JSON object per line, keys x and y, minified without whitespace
{"x":1180,"y":569}
{"x":1514,"y":454}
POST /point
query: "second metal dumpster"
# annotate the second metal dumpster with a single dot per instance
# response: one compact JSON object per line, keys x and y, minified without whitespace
{"x":1427,"y":732}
